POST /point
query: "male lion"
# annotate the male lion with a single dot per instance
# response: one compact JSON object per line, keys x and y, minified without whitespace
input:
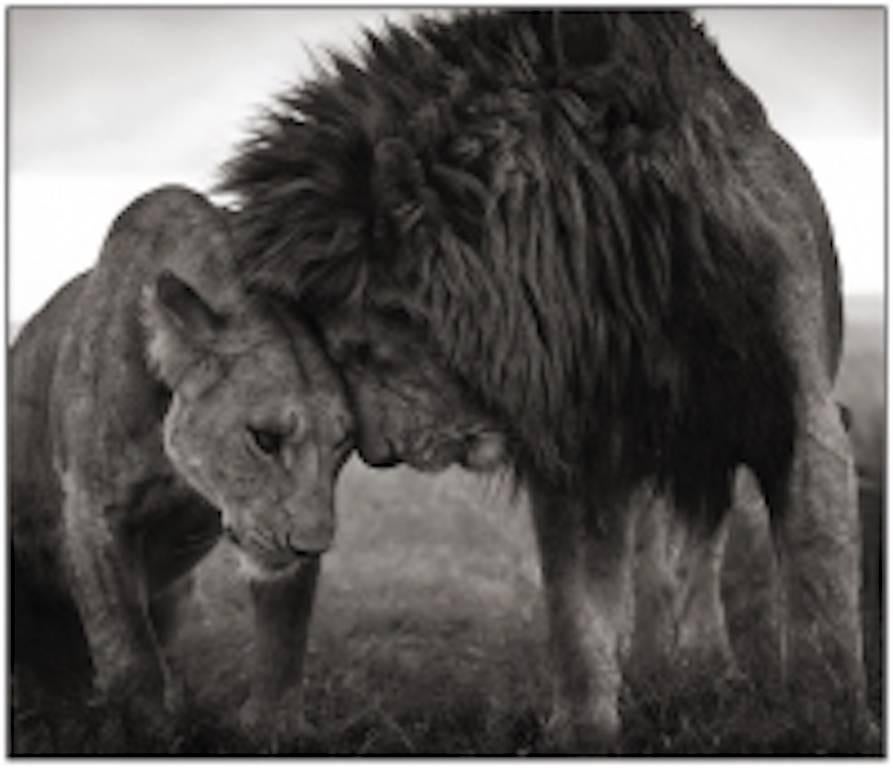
{"x":150,"y":397}
{"x":574,"y":239}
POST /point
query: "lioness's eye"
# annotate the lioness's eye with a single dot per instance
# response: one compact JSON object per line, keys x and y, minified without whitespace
{"x":267,"y":441}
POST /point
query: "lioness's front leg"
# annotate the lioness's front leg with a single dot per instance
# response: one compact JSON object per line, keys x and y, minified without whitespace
{"x":110,"y":594}
{"x":587,"y":561}
{"x":282,"y":611}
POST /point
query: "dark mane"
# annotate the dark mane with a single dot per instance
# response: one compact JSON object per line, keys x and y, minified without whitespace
{"x":558,"y":200}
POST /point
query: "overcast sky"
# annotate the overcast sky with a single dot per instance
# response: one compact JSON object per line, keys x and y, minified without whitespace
{"x":107,"y":103}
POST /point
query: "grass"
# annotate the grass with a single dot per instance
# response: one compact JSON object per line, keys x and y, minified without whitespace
{"x":429,"y":633}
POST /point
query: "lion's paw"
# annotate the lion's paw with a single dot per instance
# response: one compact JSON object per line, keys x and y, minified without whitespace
{"x":276,"y":724}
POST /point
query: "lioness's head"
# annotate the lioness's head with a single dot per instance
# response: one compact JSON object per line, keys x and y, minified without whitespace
{"x":258,"y":422}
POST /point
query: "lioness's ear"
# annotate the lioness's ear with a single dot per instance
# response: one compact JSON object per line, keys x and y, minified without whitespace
{"x":180,"y":323}
{"x":185,"y":307}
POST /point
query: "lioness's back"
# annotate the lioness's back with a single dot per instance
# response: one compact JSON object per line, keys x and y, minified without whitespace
{"x":35,"y":494}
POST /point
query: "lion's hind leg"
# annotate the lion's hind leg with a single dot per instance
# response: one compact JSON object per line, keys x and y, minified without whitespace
{"x":815,"y":524}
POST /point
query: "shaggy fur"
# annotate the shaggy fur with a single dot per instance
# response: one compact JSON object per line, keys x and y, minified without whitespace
{"x":561,"y":202}
{"x":590,"y":223}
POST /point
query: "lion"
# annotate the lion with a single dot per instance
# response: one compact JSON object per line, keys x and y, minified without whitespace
{"x":155,"y":407}
{"x":572,"y":244}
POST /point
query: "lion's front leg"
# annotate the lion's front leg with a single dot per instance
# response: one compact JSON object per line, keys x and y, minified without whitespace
{"x":587,"y":566}
{"x":110,"y":592}
{"x":680,"y":620}
{"x":282,"y":610}
{"x":702,"y":638}
{"x":815,"y":523}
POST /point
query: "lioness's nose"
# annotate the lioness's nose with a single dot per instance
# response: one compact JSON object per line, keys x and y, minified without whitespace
{"x":312,"y":527}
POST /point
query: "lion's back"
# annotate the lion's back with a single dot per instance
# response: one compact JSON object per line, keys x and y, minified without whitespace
{"x":797,"y":179}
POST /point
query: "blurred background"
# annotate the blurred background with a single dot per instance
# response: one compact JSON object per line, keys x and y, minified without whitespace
{"x":429,"y":630}
{"x":105,"y":103}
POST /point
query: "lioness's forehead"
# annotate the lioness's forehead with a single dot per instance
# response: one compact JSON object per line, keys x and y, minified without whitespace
{"x":296,"y":363}
{"x":318,"y":370}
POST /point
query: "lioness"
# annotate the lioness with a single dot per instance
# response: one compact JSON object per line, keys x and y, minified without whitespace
{"x":155,"y":405}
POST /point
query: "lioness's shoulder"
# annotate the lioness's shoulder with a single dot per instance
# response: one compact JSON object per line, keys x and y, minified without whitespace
{"x":34,"y":353}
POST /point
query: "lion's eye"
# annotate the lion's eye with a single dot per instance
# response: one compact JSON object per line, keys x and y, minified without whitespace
{"x":267,"y":441}
{"x":373,"y":357}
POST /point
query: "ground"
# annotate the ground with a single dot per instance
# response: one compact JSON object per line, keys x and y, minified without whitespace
{"x":429,"y":631}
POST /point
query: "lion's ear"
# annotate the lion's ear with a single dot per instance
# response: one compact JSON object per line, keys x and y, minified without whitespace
{"x":180,"y":323}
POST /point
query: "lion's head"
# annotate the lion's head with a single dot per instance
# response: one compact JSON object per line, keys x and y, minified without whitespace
{"x":408,"y":409}
{"x":258,"y":423}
